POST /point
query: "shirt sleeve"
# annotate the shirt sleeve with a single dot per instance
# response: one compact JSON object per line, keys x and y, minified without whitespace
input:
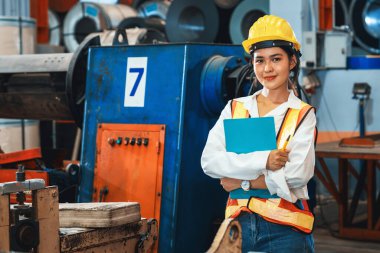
{"x":290,"y":181}
{"x":218,"y":163}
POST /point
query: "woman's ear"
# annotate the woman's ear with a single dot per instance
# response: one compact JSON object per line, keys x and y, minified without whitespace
{"x":293,"y":62}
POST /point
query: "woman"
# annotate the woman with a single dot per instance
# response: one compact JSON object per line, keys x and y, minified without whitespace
{"x":271,"y":213}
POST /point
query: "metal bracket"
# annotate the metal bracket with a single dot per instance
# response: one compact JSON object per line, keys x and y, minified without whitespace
{"x":27,"y":185}
{"x":147,"y":240}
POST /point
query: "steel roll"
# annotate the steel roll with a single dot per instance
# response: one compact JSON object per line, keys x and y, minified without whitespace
{"x":364,"y":20}
{"x":243,"y":16}
{"x":154,"y":9}
{"x":86,"y":18}
{"x":192,"y":21}
{"x":54,"y":29}
{"x":19,"y":8}
{"x":13,"y":43}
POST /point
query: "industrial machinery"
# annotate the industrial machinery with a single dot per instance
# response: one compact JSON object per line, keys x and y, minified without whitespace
{"x":147,"y":116}
{"x":22,"y":225}
{"x":35,"y":226}
{"x":45,"y":86}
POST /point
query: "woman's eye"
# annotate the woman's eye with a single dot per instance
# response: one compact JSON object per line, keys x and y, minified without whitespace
{"x":276,"y":59}
{"x":258,"y":61}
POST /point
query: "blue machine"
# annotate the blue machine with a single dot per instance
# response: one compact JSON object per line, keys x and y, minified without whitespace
{"x":180,"y":86}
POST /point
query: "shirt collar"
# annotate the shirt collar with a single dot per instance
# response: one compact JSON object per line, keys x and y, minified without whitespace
{"x":248,"y":101}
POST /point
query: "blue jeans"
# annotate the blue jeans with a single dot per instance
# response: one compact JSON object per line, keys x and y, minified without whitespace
{"x":260,"y":235}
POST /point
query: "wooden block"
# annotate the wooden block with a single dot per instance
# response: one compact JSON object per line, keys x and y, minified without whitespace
{"x":368,"y":141}
{"x":78,"y":239}
{"x":45,"y":202}
{"x":98,"y":215}
{"x":357,"y":142}
{"x":4,"y":223}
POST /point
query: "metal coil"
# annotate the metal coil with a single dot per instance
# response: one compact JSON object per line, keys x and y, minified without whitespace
{"x":13,"y":43}
{"x":192,"y":21}
{"x":15,"y":8}
{"x":86,"y":18}
{"x":364,"y":20}
{"x":154,"y":9}
{"x":54,"y":29}
{"x":243,"y":16}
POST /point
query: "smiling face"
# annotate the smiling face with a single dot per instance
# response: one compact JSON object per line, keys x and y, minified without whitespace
{"x":272,"y":67}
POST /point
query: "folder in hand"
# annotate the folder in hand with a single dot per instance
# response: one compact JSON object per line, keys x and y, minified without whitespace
{"x":250,"y":134}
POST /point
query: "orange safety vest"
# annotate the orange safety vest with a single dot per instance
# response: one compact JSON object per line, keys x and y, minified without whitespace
{"x":276,"y":210}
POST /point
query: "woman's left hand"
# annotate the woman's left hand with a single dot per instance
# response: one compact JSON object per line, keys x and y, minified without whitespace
{"x":230,"y":184}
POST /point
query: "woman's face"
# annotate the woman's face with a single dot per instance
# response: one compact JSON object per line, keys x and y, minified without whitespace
{"x":272,"y":67}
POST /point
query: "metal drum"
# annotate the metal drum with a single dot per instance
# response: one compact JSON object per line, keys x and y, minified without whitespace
{"x":19,"y":8}
{"x":14,"y":132}
{"x":13,"y":43}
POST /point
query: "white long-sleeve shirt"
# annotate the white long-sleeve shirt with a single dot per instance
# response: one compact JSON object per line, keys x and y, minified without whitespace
{"x":288,"y":182}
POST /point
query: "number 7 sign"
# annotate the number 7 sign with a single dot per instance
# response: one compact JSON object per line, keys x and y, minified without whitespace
{"x":135,"y":82}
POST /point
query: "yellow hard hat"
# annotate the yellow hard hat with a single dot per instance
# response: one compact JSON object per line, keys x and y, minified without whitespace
{"x":271,"y":28}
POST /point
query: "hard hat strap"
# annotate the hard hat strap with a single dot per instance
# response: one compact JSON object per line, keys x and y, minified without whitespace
{"x":271,"y":43}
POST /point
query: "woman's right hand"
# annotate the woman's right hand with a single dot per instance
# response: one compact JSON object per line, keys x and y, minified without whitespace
{"x":277,"y":159}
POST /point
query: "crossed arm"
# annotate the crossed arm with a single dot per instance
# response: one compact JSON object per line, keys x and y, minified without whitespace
{"x":276,"y":160}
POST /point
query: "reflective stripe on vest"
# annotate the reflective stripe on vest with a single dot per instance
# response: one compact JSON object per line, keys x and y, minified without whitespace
{"x":274,"y":210}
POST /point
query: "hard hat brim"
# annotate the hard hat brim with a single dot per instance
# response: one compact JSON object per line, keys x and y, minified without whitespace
{"x":249,"y":42}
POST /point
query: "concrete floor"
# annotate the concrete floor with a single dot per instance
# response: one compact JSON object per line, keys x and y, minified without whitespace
{"x":326,"y":243}
{"x":326,"y":228}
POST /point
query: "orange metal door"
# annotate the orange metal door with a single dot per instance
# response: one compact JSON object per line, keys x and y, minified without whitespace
{"x":129,"y":162}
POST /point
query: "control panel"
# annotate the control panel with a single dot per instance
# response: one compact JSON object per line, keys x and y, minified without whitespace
{"x":129,"y":163}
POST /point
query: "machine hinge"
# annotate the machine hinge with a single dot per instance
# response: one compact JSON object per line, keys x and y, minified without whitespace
{"x":158,"y":145}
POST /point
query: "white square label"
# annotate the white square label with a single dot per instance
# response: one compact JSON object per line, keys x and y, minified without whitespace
{"x":135,"y":82}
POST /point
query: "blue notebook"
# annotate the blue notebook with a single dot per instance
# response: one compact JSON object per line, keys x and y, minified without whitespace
{"x":250,"y":134}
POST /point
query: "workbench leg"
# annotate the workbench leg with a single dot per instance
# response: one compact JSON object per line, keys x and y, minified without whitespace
{"x":4,"y":223}
{"x":344,"y":193}
{"x":371,"y":190}
{"x":45,"y":202}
